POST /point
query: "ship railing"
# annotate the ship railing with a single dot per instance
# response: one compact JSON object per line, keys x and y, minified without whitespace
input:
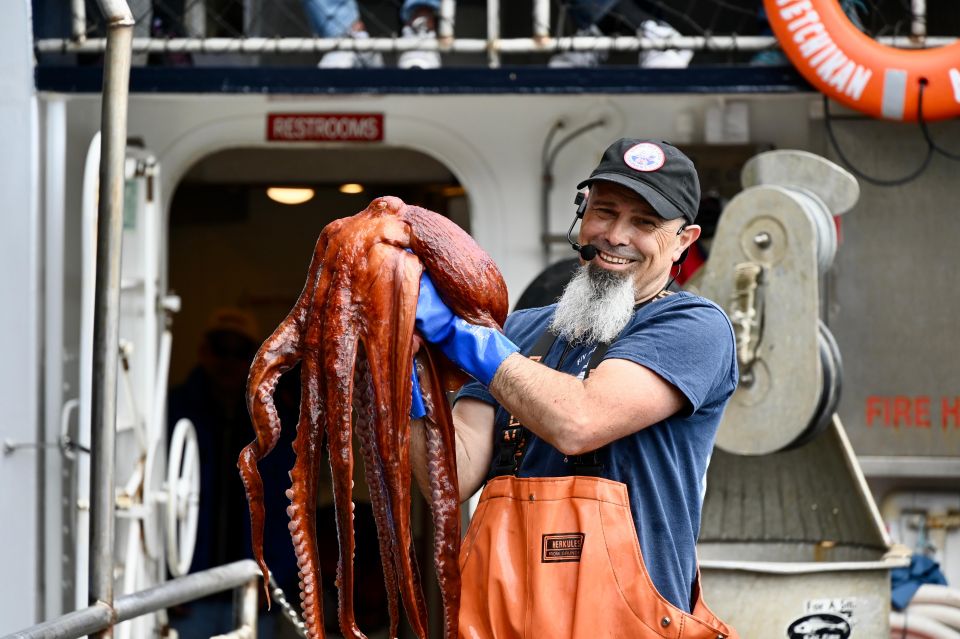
{"x":243,"y":577}
{"x":541,"y":41}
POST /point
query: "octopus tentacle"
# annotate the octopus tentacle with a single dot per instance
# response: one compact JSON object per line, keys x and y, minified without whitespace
{"x":303,"y":499}
{"x":390,"y":356}
{"x":364,"y":404}
{"x":338,"y":360}
{"x":444,"y":488}
{"x":278,"y":354}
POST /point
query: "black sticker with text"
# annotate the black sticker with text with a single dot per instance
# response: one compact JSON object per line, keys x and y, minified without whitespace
{"x":821,"y":625}
{"x":562,"y":547}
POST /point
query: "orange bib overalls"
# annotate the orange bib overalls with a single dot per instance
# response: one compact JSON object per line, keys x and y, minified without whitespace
{"x":559,"y":558}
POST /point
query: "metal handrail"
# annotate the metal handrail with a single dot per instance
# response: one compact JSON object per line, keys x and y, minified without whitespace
{"x":493,"y":45}
{"x":456,"y":45}
{"x":242,"y":576}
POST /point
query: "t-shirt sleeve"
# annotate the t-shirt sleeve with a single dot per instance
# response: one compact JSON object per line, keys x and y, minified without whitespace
{"x":475,"y":390}
{"x":689,"y":343}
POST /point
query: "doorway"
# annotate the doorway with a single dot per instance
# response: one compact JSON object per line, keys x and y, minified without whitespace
{"x":238,"y":258}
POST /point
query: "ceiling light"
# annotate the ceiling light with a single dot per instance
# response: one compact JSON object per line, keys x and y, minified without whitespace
{"x":288,"y":195}
{"x":351,"y":188}
{"x":453,"y":191}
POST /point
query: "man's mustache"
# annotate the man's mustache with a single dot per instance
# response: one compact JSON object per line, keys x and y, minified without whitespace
{"x":621,"y":252}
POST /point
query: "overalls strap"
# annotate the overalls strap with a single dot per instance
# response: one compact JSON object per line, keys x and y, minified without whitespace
{"x":511,"y":447}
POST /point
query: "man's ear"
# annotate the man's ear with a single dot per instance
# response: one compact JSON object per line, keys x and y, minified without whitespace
{"x":687,"y":236}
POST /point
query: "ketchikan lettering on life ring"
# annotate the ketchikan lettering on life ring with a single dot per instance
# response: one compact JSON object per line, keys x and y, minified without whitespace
{"x":859,"y":72}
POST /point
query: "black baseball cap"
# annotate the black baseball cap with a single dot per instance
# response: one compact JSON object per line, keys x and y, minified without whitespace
{"x":656,"y":171}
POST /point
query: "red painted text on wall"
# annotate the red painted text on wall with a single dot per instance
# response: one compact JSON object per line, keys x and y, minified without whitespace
{"x":912,"y":411}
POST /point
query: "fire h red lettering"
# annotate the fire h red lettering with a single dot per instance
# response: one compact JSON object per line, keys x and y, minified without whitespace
{"x":949,"y":409}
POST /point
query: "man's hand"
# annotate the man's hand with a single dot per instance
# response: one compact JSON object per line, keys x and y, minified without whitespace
{"x":478,"y":350}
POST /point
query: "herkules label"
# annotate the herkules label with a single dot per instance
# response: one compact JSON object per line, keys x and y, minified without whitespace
{"x":561,"y":547}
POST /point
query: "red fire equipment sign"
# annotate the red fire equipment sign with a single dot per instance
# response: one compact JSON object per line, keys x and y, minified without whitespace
{"x":325,"y":127}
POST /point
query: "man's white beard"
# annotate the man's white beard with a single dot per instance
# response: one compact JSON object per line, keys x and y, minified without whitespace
{"x":594,"y":307}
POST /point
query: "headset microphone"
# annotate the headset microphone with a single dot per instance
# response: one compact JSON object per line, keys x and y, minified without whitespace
{"x":586,"y":252}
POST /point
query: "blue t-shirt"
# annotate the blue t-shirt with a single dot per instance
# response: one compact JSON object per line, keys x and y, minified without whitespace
{"x":688,"y":341}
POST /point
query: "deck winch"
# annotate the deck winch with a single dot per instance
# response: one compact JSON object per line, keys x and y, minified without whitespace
{"x":774,"y":243}
{"x":791,"y":540}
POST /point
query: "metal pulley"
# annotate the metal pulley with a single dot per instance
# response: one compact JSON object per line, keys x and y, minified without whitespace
{"x":805,"y":171}
{"x":826,"y":189}
{"x":826,"y":230}
{"x":831,"y":367}
{"x":772,"y":245}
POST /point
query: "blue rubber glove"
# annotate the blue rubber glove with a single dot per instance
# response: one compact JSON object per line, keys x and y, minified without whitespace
{"x":478,"y":350}
{"x":418,"y":409}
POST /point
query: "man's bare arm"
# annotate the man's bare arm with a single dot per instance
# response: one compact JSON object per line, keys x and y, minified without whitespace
{"x":473,"y":421}
{"x":576,"y":416}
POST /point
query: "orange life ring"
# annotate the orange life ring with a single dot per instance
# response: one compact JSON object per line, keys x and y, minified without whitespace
{"x":859,"y":72}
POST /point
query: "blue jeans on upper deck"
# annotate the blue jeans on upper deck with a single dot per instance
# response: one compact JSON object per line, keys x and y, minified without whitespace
{"x":588,"y":12}
{"x":335,"y":18}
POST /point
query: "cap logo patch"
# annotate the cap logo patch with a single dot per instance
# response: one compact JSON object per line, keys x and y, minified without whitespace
{"x":644,"y":157}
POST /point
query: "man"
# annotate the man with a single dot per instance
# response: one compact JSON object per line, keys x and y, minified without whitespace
{"x":212,"y":397}
{"x":341,"y":19}
{"x":587,"y":14}
{"x":594,"y":446}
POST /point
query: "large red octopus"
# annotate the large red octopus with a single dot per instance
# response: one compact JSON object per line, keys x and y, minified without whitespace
{"x":352,"y":329}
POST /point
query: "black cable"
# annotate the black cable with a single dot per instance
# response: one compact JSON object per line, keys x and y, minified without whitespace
{"x":752,"y":13}
{"x":926,"y":132}
{"x":860,"y":174}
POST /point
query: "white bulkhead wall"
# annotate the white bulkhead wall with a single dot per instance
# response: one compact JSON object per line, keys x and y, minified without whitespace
{"x":20,"y":324}
{"x":491,"y":143}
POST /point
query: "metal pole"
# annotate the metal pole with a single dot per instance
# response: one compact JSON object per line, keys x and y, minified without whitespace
{"x":245,"y":602}
{"x":541,"y":19}
{"x":548,"y":155}
{"x":445,"y":28}
{"x":79,"y":20}
{"x":78,"y":623}
{"x":493,"y":33}
{"x":918,"y":25}
{"x":106,"y":323}
{"x":243,"y":574}
{"x":187,"y":588}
